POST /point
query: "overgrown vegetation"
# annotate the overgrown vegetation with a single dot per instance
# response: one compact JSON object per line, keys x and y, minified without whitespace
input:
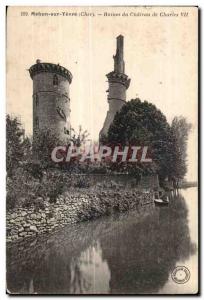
{"x":32,"y":176}
{"x":29,"y":178}
{"x":180,"y":129}
{"x":142,"y":124}
{"x":80,"y":137}
{"x":18,"y":148}
{"x":23,"y":189}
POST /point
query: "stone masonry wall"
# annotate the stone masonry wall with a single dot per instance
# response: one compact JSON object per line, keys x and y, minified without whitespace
{"x":51,"y":104}
{"x":72,"y":207}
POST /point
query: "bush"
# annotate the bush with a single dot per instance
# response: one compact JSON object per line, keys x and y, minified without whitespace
{"x":143,"y":124}
{"x":43,"y":144}
{"x":23,"y":189}
{"x":82,"y":182}
{"x":18,"y":148}
{"x":52,"y":185}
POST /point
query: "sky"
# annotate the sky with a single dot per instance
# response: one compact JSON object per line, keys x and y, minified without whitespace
{"x":160,"y":53}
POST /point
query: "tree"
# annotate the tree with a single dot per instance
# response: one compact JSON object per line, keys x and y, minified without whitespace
{"x":80,"y":137}
{"x":43,"y":144}
{"x":17,"y":147}
{"x":180,"y":131}
{"x":142,"y":124}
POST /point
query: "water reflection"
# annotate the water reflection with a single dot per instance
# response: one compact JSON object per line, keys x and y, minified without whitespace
{"x":126,"y":253}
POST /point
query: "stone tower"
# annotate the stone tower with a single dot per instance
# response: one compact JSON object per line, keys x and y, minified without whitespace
{"x":118,"y":84}
{"x":51,"y":101}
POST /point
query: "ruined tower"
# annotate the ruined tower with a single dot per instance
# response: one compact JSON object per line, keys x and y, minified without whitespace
{"x":51,"y":101}
{"x":118,"y":84}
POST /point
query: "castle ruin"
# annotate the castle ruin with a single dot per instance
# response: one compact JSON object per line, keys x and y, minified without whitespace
{"x":51,"y":101}
{"x":118,"y":83}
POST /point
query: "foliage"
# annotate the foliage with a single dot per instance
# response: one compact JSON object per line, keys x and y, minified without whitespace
{"x":25,"y":190}
{"x":52,"y":184}
{"x":18,"y":148}
{"x":31,"y":175}
{"x":142,"y":124}
{"x":43,"y":144}
{"x":180,"y":129}
{"x":21,"y":188}
{"x":82,"y":182}
{"x":80,"y":137}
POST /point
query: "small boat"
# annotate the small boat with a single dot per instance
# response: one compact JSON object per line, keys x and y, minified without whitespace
{"x":161,"y":202}
{"x":161,"y":199}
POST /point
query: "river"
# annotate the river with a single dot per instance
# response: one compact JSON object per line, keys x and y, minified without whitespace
{"x":129,"y":253}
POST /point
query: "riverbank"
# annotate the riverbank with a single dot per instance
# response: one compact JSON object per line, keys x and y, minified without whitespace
{"x":71,"y":207}
{"x":106,"y":250}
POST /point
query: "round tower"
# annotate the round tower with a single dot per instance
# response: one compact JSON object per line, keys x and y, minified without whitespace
{"x":51,"y":101}
{"x":118,"y":83}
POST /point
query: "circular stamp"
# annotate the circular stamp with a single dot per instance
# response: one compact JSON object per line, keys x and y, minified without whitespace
{"x":180,"y":275}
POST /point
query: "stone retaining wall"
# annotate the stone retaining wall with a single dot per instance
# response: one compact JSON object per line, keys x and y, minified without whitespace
{"x":72,"y":207}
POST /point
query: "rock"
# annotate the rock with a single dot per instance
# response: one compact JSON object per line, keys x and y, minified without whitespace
{"x":15,"y":237}
{"x":33,"y":228}
{"x":23,"y":213}
{"x":17,"y":223}
{"x":30,"y":233}
{"x":27,"y":229}
{"x":22,"y":234}
{"x":18,"y":219}
{"x":21,"y":229}
{"x":13,"y":232}
{"x":33,"y":216}
{"x":52,"y":220}
{"x":31,"y":222}
{"x":13,"y":215}
{"x":38,"y":216}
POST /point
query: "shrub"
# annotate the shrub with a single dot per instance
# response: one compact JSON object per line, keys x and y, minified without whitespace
{"x":18,"y":148}
{"x":82,"y":182}
{"x":52,"y":185}
{"x":23,"y":189}
{"x":43,"y":144}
